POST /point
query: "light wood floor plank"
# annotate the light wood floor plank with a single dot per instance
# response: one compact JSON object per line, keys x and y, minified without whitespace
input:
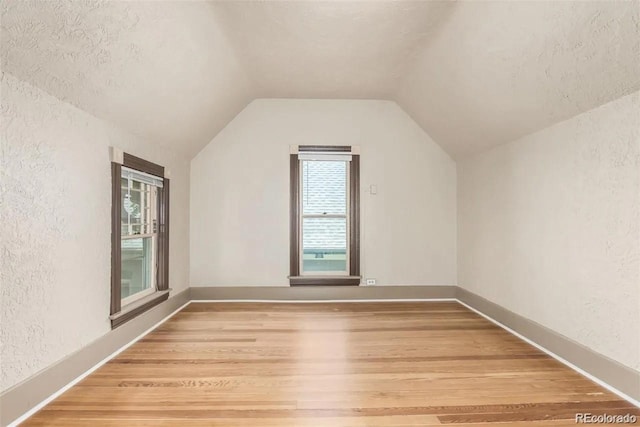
{"x":330,"y":364}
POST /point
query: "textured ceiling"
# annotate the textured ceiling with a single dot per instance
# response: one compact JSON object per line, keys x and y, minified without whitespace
{"x":472,"y":74}
{"x":161,"y":69}
{"x":330,"y":49}
{"x":499,"y":70}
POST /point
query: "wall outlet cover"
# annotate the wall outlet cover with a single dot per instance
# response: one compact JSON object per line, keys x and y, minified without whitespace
{"x":370,"y":281}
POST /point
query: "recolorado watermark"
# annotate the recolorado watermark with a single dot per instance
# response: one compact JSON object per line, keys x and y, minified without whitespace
{"x":587,"y":418}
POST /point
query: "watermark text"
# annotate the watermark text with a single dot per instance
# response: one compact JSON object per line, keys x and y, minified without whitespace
{"x":587,"y":418}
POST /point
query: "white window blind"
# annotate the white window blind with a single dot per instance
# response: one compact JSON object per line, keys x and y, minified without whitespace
{"x":325,"y":155}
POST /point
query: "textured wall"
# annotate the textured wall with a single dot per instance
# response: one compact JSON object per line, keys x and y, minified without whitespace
{"x":549,"y":227}
{"x":55,"y":227}
{"x":240,"y":193}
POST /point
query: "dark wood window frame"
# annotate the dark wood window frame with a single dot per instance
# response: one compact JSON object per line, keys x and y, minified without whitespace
{"x":353,"y":278}
{"x":119,"y":314}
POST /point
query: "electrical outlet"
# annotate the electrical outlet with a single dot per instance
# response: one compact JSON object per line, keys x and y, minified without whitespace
{"x":370,"y":281}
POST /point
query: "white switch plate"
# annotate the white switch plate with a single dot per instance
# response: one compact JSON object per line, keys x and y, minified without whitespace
{"x":370,"y":281}
{"x":373,"y":189}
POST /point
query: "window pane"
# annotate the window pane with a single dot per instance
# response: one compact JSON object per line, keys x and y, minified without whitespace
{"x":137,"y":265}
{"x":137,"y":213}
{"x":324,"y":187}
{"x":324,"y":244}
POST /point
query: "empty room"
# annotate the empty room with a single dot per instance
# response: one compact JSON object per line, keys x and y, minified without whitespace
{"x":319,"y":213}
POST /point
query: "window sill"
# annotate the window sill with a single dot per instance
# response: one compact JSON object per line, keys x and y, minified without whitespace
{"x":324,"y":280}
{"x":136,"y":308}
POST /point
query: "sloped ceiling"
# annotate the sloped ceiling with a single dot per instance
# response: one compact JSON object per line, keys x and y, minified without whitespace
{"x":325,"y":49}
{"x":161,"y":69}
{"x":472,"y":74}
{"x":499,"y":70}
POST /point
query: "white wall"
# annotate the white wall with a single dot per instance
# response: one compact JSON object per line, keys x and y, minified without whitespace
{"x":549,"y":227}
{"x":240,"y":193}
{"x":55,"y":227}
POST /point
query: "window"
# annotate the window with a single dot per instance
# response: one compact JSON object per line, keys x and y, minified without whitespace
{"x":324,"y":188}
{"x":324,"y":216}
{"x":140,"y":237}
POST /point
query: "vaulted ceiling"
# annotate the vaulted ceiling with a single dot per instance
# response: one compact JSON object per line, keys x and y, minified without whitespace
{"x":472,"y":74}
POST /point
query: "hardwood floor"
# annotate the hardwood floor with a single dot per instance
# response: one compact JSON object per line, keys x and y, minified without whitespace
{"x":330,"y":364}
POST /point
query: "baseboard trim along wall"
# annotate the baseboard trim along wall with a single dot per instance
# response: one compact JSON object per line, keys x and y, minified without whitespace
{"x":619,"y":378}
{"x":24,"y":397}
{"x":28,"y":396}
{"x":322,"y":293}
